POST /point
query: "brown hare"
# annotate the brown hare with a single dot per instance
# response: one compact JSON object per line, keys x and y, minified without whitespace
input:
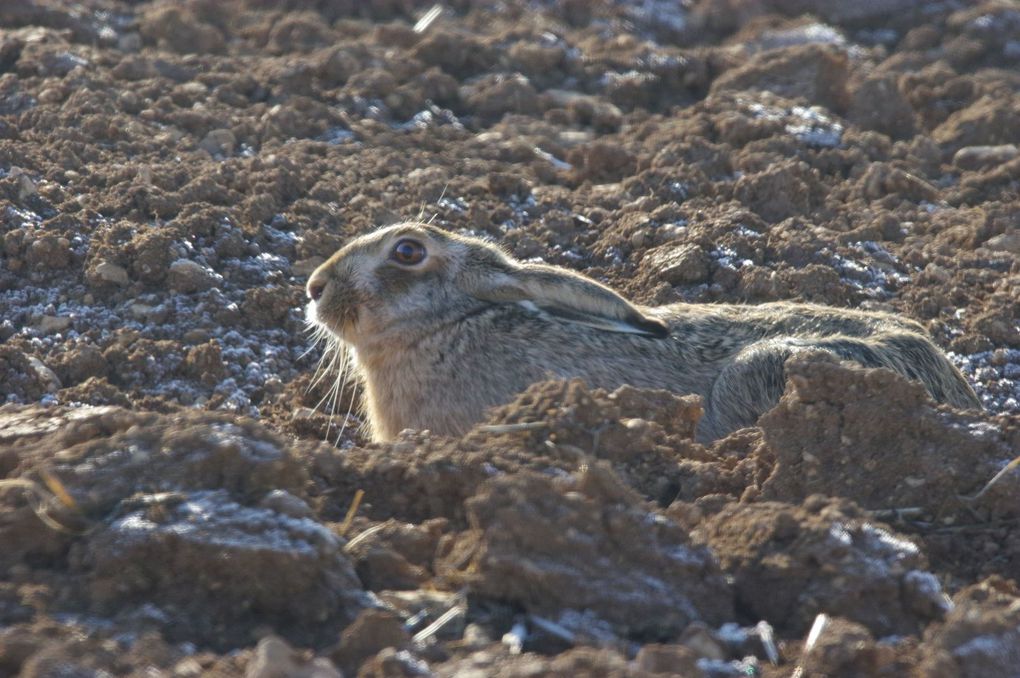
{"x":439,"y":327}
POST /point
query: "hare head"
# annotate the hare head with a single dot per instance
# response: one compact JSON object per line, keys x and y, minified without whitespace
{"x":393,"y":286}
{"x":437,"y":327}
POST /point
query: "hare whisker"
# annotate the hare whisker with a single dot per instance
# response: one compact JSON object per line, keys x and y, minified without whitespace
{"x":350,"y":407}
{"x":326,"y":361}
{"x":339,"y":364}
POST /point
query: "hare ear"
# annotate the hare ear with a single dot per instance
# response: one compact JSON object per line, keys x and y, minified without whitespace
{"x":567,"y":296}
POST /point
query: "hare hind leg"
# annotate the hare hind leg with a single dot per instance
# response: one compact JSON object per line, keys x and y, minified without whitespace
{"x":918,"y":358}
{"x":747,"y":387}
{"x":912,"y":355}
{"x":754,"y":381}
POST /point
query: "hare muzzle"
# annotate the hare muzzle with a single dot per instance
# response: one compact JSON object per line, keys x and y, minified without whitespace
{"x":332,"y":302}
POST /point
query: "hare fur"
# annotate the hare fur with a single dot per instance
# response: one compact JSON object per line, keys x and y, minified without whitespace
{"x":441,"y":327}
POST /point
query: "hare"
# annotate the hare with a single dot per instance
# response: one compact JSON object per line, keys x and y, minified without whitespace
{"x":441,"y":327}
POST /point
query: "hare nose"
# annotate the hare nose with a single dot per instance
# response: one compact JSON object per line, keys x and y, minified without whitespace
{"x":315,"y":290}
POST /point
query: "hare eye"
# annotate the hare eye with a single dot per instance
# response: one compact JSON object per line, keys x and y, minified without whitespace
{"x":408,"y":252}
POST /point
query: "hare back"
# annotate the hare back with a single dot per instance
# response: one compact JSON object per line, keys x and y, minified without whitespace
{"x":781,"y":318}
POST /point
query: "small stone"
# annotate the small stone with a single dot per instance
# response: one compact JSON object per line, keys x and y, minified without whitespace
{"x":371,"y":632}
{"x":47,"y":378}
{"x":196,"y":336}
{"x":188,"y":276}
{"x":302,"y":413}
{"x":112,"y":273}
{"x":52,"y":323}
{"x":287,"y":504}
{"x":677,"y":265}
{"x":273,"y":385}
{"x":193,"y":88}
{"x":186,"y":668}
{"x":51,"y":95}
{"x":218,"y":142}
{"x":274,"y":658}
{"x":1005,"y":242}
{"x":141,"y":311}
{"x":972,"y":158}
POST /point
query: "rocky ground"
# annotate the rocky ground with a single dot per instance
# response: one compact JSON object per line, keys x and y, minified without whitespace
{"x":176,"y":497}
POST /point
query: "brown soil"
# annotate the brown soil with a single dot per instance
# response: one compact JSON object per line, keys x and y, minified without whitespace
{"x":174,"y":490}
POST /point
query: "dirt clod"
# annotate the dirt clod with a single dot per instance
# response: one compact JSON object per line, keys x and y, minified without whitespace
{"x":520,"y":527}
{"x":791,"y":563}
{"x":199,"y":538}
{"x":980,"y":635}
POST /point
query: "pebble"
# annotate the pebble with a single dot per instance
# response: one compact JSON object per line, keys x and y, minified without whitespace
{"x":1005,"y":242}
{"x":51,"y":95}
{"x":112,"y":273}
{"x":274,"y":658}
{"x":188,"y":276}
{"x":47,"y":377}
{"x":302,"y":413}
{"x":140,"y":310}
{"x":196,"y":336}
{"x":218,"y":142}
{"x":187,"y":668}
{"x":53,"y":323}
{"x":678,"y":265}
{"x":980,"y":157}
{"x":286,"y":503}
{"x":193,"y":88}
{"x":802,"y":35}
{"x":26,"y":187}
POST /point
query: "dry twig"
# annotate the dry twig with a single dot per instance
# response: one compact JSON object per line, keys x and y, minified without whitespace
{"x":995,"y":479}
